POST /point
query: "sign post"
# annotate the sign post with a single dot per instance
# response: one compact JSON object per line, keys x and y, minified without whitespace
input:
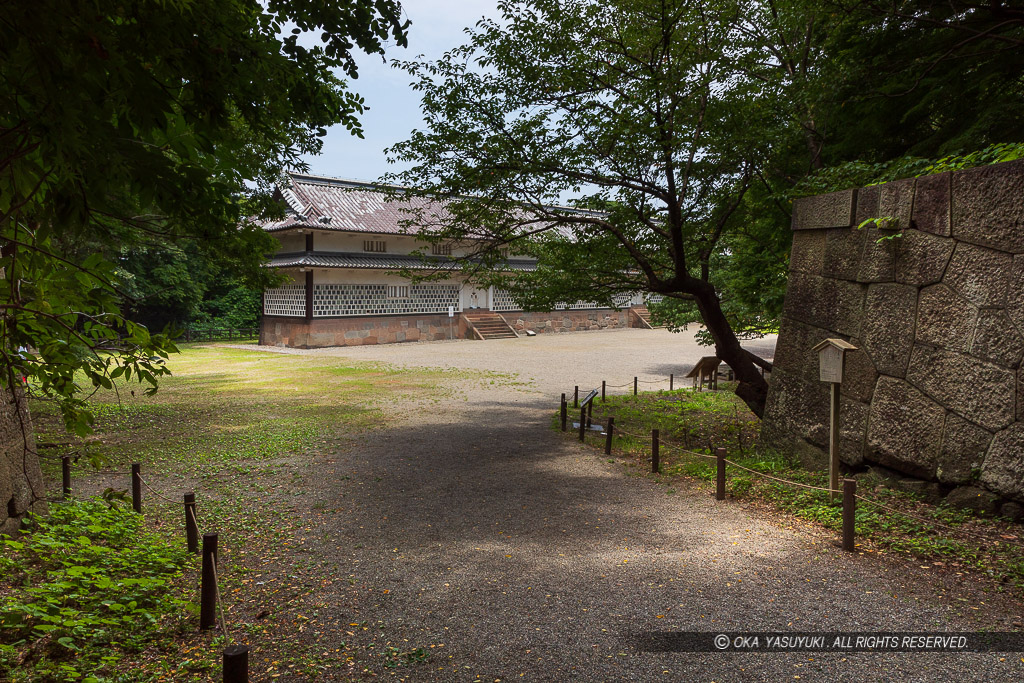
{"x":831,"y":354}
{"x":451,"y":323}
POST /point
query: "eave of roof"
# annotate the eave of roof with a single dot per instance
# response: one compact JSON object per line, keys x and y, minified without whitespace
{"x":382,"y":262}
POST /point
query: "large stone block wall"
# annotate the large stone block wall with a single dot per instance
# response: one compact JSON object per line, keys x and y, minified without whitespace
{"x":568,"y":321}
{"x":21,"y":481}
{"x":320,"y":332}
{"x":355,"y":331}
{"x":936,"y":388}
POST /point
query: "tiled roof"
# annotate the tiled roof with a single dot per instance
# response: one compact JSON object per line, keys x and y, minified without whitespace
{"x":379,"y":261}
{"x":327,"y":203}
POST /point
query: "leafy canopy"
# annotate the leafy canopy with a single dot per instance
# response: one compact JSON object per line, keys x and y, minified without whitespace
{"x":137,"y":122}
{"x":637,"y":110}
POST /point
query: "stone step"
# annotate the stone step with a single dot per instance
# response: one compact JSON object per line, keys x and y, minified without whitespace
{"x":490,"y":325}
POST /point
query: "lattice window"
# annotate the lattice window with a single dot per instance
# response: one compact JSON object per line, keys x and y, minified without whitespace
{"x":287,"y":300}
{"x":343,"y":300}
{"x":441,"y":249}
{"x":503,"y":301}
{"x":376,"y":246}
{"x":622,"y":300}
{"x":654,"y":298}
{"x":398,"y":291}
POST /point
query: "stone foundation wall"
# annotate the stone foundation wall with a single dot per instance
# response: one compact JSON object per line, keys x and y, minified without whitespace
{"x":21,"y":481}
{"x":298,"y":333}
{"x":568,"y":321}
{"x":936,"y":389}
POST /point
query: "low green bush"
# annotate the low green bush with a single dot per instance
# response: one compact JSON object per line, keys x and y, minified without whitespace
{"x":82,"y":587}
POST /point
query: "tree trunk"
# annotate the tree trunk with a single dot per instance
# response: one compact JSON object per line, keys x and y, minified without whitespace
{"x":21,"y":480}
{"x":752,"y":387}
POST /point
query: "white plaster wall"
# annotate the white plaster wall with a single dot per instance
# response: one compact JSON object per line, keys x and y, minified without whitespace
{"x":291,"y":242}
{"x":293,"y":275}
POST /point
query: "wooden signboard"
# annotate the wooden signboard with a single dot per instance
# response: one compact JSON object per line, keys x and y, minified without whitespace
{"x":830,"y":369}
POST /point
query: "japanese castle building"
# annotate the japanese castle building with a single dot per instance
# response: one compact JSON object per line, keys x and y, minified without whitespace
{"x":342,"y":245}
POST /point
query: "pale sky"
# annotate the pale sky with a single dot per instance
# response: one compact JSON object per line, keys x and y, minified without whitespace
{"x":437,"y":26}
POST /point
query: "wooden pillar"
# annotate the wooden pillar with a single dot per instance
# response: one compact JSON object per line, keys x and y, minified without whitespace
{"x":309,"y":295}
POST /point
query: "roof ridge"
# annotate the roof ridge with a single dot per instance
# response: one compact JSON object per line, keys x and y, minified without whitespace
{"x":374,"y":185}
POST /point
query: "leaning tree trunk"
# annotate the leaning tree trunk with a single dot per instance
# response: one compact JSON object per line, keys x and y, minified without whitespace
{"x":21,"y":481}
{"x":752,"y":387}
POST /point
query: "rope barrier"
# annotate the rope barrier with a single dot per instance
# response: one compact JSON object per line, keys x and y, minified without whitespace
{"x":220,"y":605}
{"x":687,"y":451}
{"x":157,"y":493}
{"x":778,"y":479}
{"x":190,"y":510}
{"x":663,"y":444}
{"x":930,"y":522}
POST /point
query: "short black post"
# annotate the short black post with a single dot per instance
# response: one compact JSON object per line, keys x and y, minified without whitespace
{"x":634,"y":386}
{"x":576,"y":396}
{"x":602,"y":391}
{"x":136,"y":487}
{"x":720,"y":475}
{"x":583,"y":423}
{"x":655,"y":455}
{"x":208,"y":587}
{"x":236,"y":664}
{"x":65,"y":475}
{"x":671,"y":381}
{"x":191,"y":526}
{"x":849,"y":512}
{"x":608,"y":436}
{"x":564,"y":413}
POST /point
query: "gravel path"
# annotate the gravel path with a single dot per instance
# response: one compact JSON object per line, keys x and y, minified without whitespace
{"x":473,"y":525}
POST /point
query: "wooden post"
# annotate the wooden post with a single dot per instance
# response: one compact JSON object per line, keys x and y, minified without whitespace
{"x":849,"y":512}
{"x":65,"y":475}
{"x":191,"y":526}
{"x":602,"y":391}
{"x":833,"y":444}
{"x":655,"y":455}
{"x":236,"y":664}
{"x":609,"y":432}
{"x":583,"y":422}
{"x":671,"y":381}
{"x":208,"y":587}
{"x":309,"y":296}
{"x":576,"y":396}
{"x":136,"y":487}
{"x":564,"y":413}
{"x":634,"y":386}
{"x":720,"y":474}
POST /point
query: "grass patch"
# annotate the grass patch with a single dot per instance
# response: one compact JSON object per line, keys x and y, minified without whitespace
{"x":702,"y":421}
